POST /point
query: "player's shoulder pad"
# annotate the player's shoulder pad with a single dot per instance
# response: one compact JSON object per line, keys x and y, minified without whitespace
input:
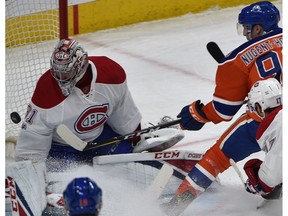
{"x":108,"y":71}
{"x":47,"y":93}
{"x":247,"y":44}
{"x":266,"y":122}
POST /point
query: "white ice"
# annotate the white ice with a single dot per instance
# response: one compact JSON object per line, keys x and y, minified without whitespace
{"x":168,"y":67}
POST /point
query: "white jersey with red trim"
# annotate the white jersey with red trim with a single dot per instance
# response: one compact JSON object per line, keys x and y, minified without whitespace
{"x":104,"y":98}
{"x":269,"y":137}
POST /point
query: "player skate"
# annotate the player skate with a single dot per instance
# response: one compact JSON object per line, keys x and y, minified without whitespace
{"x":181,"y":200}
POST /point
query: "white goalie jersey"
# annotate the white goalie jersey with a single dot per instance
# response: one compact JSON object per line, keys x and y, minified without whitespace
{"x":106,"y":99}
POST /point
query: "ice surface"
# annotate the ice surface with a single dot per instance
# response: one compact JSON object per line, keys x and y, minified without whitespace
{"x":168,"y":67}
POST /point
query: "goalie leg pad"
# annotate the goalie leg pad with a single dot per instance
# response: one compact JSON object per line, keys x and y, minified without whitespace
{"x":25,"y":186}
{"x":159,"y":140}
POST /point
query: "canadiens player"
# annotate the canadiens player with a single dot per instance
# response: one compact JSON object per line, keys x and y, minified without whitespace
{"x":258,"y":59}
{"x":89,"y":94}
{"x":82,"y":196}
{"x":265,"y":177}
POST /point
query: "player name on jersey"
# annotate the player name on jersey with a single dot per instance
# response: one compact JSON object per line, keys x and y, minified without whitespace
{"x":263,"y":47}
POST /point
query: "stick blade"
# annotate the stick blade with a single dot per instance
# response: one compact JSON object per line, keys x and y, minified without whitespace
{"x":215,"y":51}
{"x":160,"y":181}
{"x":70,"y":138}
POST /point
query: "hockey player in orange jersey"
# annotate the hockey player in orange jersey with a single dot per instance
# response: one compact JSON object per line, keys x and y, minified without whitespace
{"x":257,"y":59}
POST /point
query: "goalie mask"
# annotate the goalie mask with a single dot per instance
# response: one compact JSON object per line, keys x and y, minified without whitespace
{"x":266,"y":93}
{"x":82,"y":196}
{"x":68,"y":63}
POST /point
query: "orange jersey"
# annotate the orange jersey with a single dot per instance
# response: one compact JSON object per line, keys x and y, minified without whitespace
{"x":257,"y":59}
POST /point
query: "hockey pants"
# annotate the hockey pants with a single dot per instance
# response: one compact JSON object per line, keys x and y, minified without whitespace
{"x":237,"y":142}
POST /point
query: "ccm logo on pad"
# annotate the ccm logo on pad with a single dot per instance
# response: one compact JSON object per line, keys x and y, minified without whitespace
{"x":176,"y":155}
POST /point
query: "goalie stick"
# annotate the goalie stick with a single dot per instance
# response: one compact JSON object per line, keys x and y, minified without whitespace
{"x":160,"y":181}
{"x":215,"y":51}
{"x":147,"y":156}
{"x":70,"y":138}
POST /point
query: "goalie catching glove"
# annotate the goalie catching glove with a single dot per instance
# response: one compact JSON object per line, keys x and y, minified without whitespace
{"x":254,"y":184}
{"x":192,"y":117}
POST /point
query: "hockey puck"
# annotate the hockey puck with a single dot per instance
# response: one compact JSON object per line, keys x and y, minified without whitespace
{"x":15,"y":117}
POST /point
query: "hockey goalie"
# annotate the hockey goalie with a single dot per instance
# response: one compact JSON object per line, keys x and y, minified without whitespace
{"x":90,"y":97}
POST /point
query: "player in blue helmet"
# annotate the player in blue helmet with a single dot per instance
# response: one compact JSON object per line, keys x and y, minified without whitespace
{"x":82,"y":197}
{"x":263,"y":16}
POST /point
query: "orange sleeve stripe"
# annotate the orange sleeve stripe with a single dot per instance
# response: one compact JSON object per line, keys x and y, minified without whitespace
{"x":214,"y":161}
{"x":211,"y":114}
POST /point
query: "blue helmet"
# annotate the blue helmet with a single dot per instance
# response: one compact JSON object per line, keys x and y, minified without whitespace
{"x":82,"y":196}
{"x":263,"y":13}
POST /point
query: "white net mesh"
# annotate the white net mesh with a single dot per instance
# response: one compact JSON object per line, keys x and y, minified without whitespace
{"x":32,"y":27}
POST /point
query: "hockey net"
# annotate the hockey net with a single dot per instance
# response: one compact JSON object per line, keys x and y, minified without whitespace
{"x":32,"y":28}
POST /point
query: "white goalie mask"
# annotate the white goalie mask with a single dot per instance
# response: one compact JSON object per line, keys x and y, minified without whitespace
{"x":68,"y":64}
{"x":267,"y":93}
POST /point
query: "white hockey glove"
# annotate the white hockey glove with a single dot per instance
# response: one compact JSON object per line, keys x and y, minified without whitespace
{"x":159,"y":140}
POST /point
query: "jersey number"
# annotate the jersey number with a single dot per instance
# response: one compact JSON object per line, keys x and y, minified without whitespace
{"x":269,"y":65}
{"x":30,"y":115}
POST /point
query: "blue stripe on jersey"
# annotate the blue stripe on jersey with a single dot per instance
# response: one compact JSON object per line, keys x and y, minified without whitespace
{"x":200,"y":178}
{"x":226,"y":109}
{"x":242,"y":142}
{"x":235,"y":52}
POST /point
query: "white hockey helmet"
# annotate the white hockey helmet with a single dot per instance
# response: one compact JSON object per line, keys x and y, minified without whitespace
{"x":68,"y":64}
{"x":267,"y":93}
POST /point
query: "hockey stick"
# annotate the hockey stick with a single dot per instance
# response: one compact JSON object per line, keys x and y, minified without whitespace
{"x":70,"y":138}
{"x":262,"y":203}
{"x":160,"y":181}
{"x":215,"y":51}
{"x":234,"y":165}
{"x":147,"y":156}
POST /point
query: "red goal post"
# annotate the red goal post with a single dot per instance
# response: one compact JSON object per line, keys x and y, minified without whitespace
{"x":31,"y":30}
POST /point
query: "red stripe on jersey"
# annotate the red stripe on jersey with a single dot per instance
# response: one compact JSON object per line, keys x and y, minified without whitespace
{"x":108,"y":71}
{"x":266,"y":122}
{"x":47,"y":93}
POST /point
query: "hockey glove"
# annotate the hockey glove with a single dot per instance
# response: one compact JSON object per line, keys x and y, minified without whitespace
{"x":254,"y":184}
{"x":192,"y":117}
